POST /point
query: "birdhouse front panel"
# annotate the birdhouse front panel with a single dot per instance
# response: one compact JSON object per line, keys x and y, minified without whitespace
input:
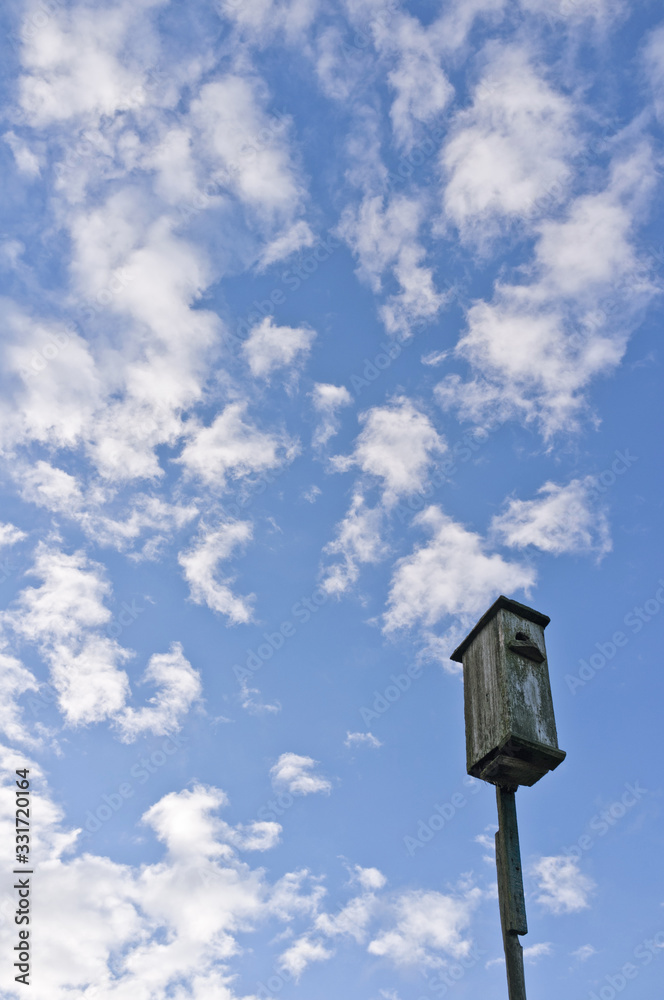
{"x":511,"y":734}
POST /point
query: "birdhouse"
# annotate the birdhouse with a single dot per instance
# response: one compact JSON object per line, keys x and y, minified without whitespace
{"x":511,"y":734}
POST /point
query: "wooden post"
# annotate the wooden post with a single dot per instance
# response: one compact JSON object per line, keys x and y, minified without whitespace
{"x":510,"y":891}
{"x":511,"y":740}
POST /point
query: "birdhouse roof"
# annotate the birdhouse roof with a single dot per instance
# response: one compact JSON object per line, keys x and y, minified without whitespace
{"x":509,"y":605}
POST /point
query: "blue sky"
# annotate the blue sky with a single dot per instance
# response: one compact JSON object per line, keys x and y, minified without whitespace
{"x":323,"y":326}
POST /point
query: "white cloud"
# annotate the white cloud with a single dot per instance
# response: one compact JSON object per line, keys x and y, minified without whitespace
{"x":563,"y":888}
{"x":233,"y":447}
{"x":178,"y":687}
{"x":452,"y":574}
{"x":294,"y":774}
{"x":27,"y":161}
{"x":201,"y":564}
{"x":81,"y":62}
{"x":56,"y":395}
{"x":60,"y":492}
{"x":533,"y":952}
{"x":358,"y":540}
{"x":563,"y":519}
{"x":302,"y":953}
{"x":293,"y":239}
{"x":396,"y":447}
{"x":171,"y":927}
{"x":147,"y":514}
{"x":69,"y":602}
{"x":369,"y":878}
{"x":585,"y":952}
{"x":247,"y":148}
{"x":269,"y":347}
{"x":15,"y":680}
{"x":10,"y":534}
{"x":327,"y":400}
{"x":384,"y":237}
{"x":654,"y":64}
{"x":261,"y":20}
{"x":511,"y":148}
{"x":362,"y":739}
{"x":576,"y":11}
{"x":422,"y":88}
{"x":253,"y":705}
{"x":427,"y":923}
{"x":454,"y":26}
{"x":398,"y":444}
{"x":86,"y":675}
{"x":536,"y":347}
{"x":64,"y":618}
{"x":351,"y":920}
{"x":216,"y":837}
{"x":47,"y":486}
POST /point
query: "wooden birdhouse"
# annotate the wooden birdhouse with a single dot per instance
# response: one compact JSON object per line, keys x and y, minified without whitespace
{"x":511,"y":734}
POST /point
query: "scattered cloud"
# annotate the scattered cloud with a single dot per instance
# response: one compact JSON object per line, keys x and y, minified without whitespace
{"x":563,"y":520}
{"x":421,"y":86}
{"x":510,"y":149}
{"x":362,"y":739}
{"x":327,"y":400}
{"x":15,"y":680}
{"x":178,"y":687}
{"x":426,"y":923}
{"x":534,"y":952}
{"x":294,"y":774}
{"x":358,"y":540}
{"x":536,"y":346}
{"x":452,"y":574}
{"x":654,"y":65}
{"x":302,"y":953}
{"x":10,"y":535}
{"x":250,"y":701}
{"x":585,"y":952}
{"x":269,"y":347}
{"x":384,"y":238}
{"x":397,"y":445}
{"x":201,"y":564}
{"x":370,"y":879}
{"x":233,"y":448}
{"x":563,"y":888}
{"x":27,"y":162}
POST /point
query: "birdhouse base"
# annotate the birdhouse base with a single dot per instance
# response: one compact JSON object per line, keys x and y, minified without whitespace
{"x":517,"y":761}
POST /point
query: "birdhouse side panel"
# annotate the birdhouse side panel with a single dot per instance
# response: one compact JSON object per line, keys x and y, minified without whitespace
{"x":485,"y":697}
{"x":527,"y":681}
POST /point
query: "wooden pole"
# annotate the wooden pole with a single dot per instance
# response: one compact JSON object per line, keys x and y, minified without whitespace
{"x":510,"y":891}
